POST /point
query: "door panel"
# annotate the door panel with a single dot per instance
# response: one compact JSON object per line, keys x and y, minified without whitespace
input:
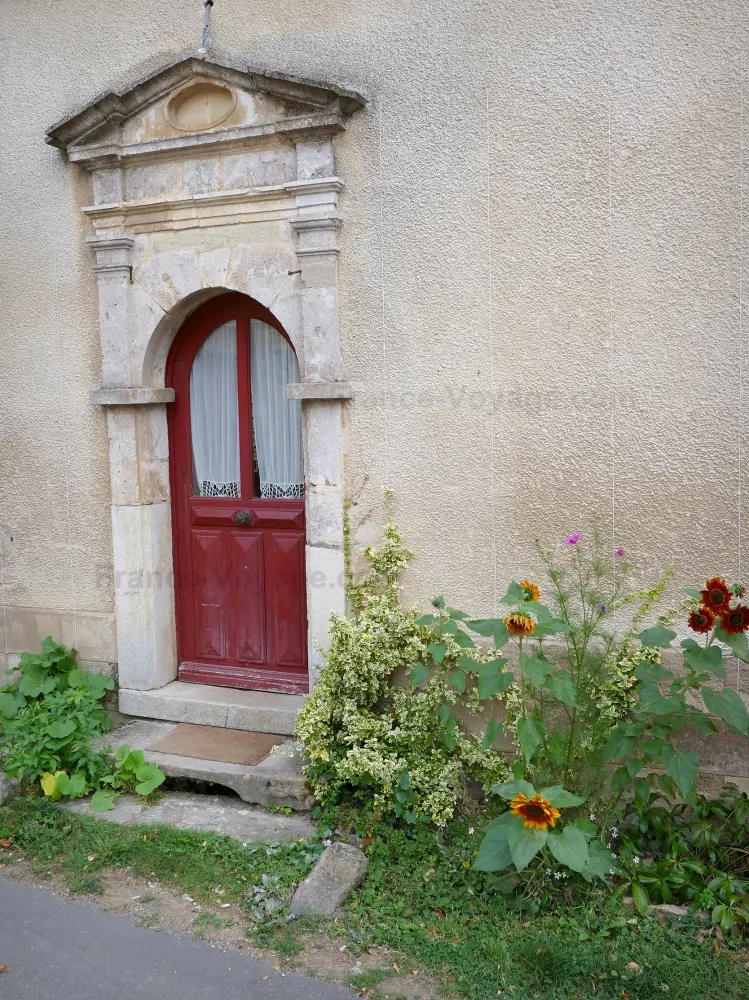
{"x":237,"y":500}
{"x":209,"y":597}
{"x":284,"y":573}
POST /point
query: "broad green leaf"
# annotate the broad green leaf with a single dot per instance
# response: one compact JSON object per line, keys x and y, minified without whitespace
{"x":458,"y":616}
{"x":682,"y":765}
{"x":601,"y":862}
{"x":444,"y":712}
{"x":103,"y":800}
{"x":61,"y":729}
{"x":515,"y":594}
{"x":588,"y":828}
{"x":427,"y":620}
{"x":729,"y":706}
{"x":642,"y":791}
{"x":563,"y":688}
{"x":464,"y":640}
{"x":530,"y":733}
{"x":493,"y":680}
{"x":437,"y":651}
{"x":651,"y":673}
{"x":667,"y":785}
{"x":620,"y":780}
{"x":641,"y":897}
{"x":634,"y":766}
{"x":535,"y":668}
{"x":570,"y":848}
{"x":8,"y":706}
{"x":658,"y":636}
{"x":458,"y":680}
{"x":149,"y":777}
{"x":33,"y":681}
{"x":560,"y":798}
{"x":551,"y":626}
{"x":99,"y":684}
{"x":618,"y":744}
{"x":699,"y":658}
{"x":524,"y":844}
{"x":494,"y":853}
{"x":122,"y":753}
{"x":738,"y":643}
{"x":504,"y":819}
{"x":134,"y":760}
{"x":77,"y":785}
{"x":419,"y":673}
{"x":509,"y":789}
{"x":494,"y":627}
{"x":77,"y":678}
{"x":494,"y":730}
{"x":691,"y":592}
{"x":557,"y":748}
{"x":51,"y":784}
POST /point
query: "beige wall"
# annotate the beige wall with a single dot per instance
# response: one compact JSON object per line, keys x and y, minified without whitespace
{"x":539,"y":279}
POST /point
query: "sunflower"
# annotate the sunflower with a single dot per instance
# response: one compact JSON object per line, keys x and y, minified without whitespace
{"x":701,"y":620}
{"x":532,"y":593}
{"x":736,"y":620}
{"x":716,"y":594}
{"x":537,"y":813}
{"x":518,"y":624}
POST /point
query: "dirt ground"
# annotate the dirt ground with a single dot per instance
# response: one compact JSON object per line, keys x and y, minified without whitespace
{"x":152,"y":905}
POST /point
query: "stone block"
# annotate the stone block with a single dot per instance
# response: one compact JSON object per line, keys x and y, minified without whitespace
{"x":213,"y":265}
{"x":314,"y":159}
{"x":324,"y":516}
{"x":202,"y":176}
{"x":153,"y":180}
{"x":7,"y":786}
{"x":322,"y":438}
{"x":339,"y":871}
{"x":138,"y":453}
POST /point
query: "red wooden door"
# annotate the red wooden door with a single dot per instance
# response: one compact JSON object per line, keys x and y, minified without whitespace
{"x":237,"y":500}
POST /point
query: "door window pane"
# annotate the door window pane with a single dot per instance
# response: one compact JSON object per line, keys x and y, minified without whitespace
{"x":276,"y":419}
{"x":214,"y":415}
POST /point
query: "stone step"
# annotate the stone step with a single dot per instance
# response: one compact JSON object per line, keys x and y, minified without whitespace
{"x":215,"y":813}
{"x":277,"y":780}
{"x":205,"y":705}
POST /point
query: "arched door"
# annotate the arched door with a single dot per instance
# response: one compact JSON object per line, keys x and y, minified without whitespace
{"x":237,"y":500}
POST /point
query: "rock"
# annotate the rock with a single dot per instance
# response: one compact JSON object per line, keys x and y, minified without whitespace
{"x":335,"y":876}
{"x":669,"y":911}
{"x":7,"y":785}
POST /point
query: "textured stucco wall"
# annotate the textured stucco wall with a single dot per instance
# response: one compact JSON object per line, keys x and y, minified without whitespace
{"x":539,"y":277}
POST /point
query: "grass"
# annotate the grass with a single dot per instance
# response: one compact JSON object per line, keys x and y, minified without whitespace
{"x":421,"y":898}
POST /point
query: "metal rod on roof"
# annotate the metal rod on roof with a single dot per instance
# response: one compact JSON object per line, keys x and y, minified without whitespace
{"x":206,"y":42}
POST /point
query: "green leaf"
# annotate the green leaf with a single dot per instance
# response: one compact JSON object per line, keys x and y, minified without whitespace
{"x":492,"y":679}
{"x":61,"y":729}
{"x":515,"y":594}
{"x":618,"y":744}
{"x":691,"y":592}
{"x":77,"y":785}
{"x":494,"y":853}
{"x":530,"y":733}
{"x":509,"y":789}
{"x":642,"y":792}
{"x":8,"y":706}
{"x":563,"y":688}
{"x":634,"y":766}
{"x":77,"y":678}
{"x":493,"y":627}
{"x":641,"y":897}
{"x":729,"y":706}
{"x":494,"y":730}
{"x":103,"y":800}
{"x":570,"y":848}
{"x":458,"y":680}
{"x":551,"y":626}
{"x":33,"y":681}
{"x":149,"y":777}
{"x":601,"y":861}
{"x":524,"y":844}
{"x":464,"y":640}
{"x":99,"y":684}
{"x":658,"y":636}
{"x":437,"y":651}
{"x":419,"y":673}
{"x":738,"y":643}
{"x":457,"y":616}
{"x":134,"y":760}
{"x":620,"y":780}
{"x":427,"y":620}
{"x":560,"y":798}
{"x":535,"y":668}
{"x":122,"y":753}
{"x":682,"y":765}
{"x":699,"y":658}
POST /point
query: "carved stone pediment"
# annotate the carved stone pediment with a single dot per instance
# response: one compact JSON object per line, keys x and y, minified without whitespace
{"x":199,"y":103}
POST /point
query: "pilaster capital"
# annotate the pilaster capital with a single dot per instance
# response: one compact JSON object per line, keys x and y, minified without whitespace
{"x":316,"y":235}
{"x":112,"y":253}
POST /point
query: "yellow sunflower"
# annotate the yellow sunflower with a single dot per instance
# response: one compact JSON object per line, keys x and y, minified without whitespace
{"x":538,"y":813}
{"x":532,"y":593}
{"x":519,"y":624}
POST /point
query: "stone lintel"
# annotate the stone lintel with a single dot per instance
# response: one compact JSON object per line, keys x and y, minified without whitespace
{"x":130,"y":396}
{"x":319,"y":390}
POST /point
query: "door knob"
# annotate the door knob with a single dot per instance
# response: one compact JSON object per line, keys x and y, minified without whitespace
{"x":243,"y":517}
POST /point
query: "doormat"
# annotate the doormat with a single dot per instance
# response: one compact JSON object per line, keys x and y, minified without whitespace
{"x":230,"y":746}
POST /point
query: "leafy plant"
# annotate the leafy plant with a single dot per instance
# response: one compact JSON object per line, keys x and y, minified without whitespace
{"x":131,"y":773}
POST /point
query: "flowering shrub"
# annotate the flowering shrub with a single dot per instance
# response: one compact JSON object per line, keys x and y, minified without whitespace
{"x":396,"y":749}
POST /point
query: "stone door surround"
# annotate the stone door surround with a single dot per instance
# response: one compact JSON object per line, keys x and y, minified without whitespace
{"x":209,"y":177}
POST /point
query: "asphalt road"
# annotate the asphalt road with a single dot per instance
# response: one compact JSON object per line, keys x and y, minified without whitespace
{"x":61,"y":949}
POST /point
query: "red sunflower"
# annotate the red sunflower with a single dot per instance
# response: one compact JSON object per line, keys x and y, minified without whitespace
{"x":701,"y":620}
{"x":735,"y":620}
{"x":716,"y":595}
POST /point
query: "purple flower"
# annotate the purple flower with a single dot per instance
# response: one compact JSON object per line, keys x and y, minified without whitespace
{"x":603,"y":608}
{"x":573,"y":539}
{"x":619,"y":552}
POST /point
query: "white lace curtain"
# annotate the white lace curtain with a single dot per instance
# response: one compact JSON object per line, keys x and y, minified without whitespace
{"x":214,"y":415}
{"x":276,"y":419}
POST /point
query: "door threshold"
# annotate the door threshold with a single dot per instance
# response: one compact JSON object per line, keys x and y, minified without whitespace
{"x":210,"y":705}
